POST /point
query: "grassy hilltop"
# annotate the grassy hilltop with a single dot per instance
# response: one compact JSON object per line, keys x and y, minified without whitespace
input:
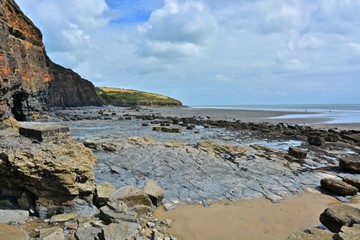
{"x":127,"y":97}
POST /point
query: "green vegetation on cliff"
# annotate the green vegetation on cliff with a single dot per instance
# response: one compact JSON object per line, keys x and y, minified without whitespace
{"x":126,"y":97}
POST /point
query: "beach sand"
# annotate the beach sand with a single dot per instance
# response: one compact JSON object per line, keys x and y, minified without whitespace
{"x":248,"y":219}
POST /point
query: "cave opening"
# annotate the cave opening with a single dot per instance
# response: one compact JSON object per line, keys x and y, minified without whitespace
{"x":17,"y":109}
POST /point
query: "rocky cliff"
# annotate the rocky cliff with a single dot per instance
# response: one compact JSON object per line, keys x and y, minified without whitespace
{"x":29,"y":81}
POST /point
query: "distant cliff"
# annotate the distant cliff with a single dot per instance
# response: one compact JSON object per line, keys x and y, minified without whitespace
{"x":126,"y":97}
{"x":29,"y":81}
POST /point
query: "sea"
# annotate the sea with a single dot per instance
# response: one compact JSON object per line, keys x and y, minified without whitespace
{"x":333,"y":113}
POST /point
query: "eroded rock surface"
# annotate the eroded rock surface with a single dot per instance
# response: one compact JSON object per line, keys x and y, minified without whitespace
{"x":335,"y":217}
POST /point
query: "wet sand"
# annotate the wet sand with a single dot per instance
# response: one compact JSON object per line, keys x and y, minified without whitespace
{"x":254,"y":116}
{"x":248,"y":219}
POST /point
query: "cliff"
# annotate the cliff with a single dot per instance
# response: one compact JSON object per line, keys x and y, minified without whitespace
{"x":29,"y":81}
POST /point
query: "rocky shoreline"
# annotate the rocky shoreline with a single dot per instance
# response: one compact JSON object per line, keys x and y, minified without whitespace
{"x":62,"y":191}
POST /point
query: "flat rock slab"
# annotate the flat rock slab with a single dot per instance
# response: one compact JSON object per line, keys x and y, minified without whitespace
{"x":124,"y":230}
{"x":41,"y":131}
{"x":13,"y":216}
{"x":8,"y":232}
{"x":87,"y":233}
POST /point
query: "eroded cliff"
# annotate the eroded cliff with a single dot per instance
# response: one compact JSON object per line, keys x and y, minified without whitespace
{"x":29,"y":81}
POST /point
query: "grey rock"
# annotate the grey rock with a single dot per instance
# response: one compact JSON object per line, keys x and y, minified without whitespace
{"x":124,"y":231}
{"x":14,"y":216}
{"x":87,"y":233}
{"x":113,"y":216}
{"x":103,"y":193}
{"x":350,"y":164}
{"x":338,"y":187}
{"x":335,"y":217}
{"x":154,"y":191}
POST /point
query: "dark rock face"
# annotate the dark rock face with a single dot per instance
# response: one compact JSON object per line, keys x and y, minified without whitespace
{"x":29,"y":81}
{"x":338,"y":187}
{"x":340,"y":215}
{"x":297,"y":152}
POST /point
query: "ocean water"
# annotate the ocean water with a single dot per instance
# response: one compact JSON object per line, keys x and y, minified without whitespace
{"x":333,"y":113}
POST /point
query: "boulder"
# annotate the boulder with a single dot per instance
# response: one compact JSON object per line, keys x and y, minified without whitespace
{"x":154,"y":191}
{"x":86,"y":233}
{"x":54,"y":233}
{"x":350,"y":164}
{"x":26,"y":201}
{"x":42,"y":131}
{"x":8,"y":232}
{"x":103,"y":193}
{"x":110,"y":215}
{"x":316,"y":140}
{"x":352,"y":181}
{"x":58,"y":170}
{"x":125,"y":230}
{"x":311,"y":234}
{"x":63,"y":217}
{"x":13,"y":216}
{"x":338,"y":187}
{"x":297,"y":152}
{"x":348,"y":233}
{"x":136,"y":199}
{"x":335,"y":217}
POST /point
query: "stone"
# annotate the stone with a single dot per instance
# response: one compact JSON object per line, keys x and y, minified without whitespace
{"x":64,"y":217}
{"x":83,"y":208}
{"x":117,"y":231}
{"x":297,"y":152}
{"x":13,"y":216}
{"x":109,"y":147}
{"x":54,"y":233}
{"x":352,"y":181}
{"x":352,"y":137}
{"x":311,"y":234}
{"x":338,"y":187}
{"x":154,"y":191}
{"x":350,"y":164}
{"x":86,"y":233}
{"x":58,"y":170}
{"x":103,"y":193}
{"x":42,"y":131}
{"x":8,"y":232}
{"x":348,"y":233}
{"x":316,"y":140}
{"x":110,"y":215}
{"x":11,"y":122}
{"x":335,"y":217}
{"x":135,"y":198}
{"x":26,"y":201}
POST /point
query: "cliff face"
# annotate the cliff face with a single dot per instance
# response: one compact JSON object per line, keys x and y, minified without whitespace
{"x":29,"y":81}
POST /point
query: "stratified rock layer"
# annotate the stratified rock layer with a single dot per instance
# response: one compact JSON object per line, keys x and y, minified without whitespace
{"x":29,"y":80}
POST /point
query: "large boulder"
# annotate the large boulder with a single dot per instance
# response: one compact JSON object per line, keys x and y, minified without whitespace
{"x":154,"y":191}
{"x":338,"y":187}
{"x":135,"y":198}
{"x":13,"y":216}
{"x":58,"y":169}
{"x":350,"y":164}
{"x":348,"y":233}
{"x":297,"y":152}
{"x":316,"y":140}
{"x":335,"y":217}
{"x":352,"y":181}
{"x":103,"y":193}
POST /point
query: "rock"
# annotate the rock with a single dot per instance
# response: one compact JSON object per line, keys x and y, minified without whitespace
{"x":352,"y":181}
{"x":297,"y":152}
{"x":103,"y":193}
{"x":59,"y":170}
{"x":86,"y":233}
{"x":54,"y":233}
{"x":14,"y":216}
{"x":26,"y":201}
{"x":83,"y":208}
{"x":337,"y":216}
{"x":8,"y":232}
{"x":11,"y":122}
{"x":109,"y":147}
{"x":154,"y":191}
{"x":350,"y":164}
{"x":311,"y":234}
{"x":136,"y":199}
{"x":117,"y":231}
{"x":316,"y":140}
{"x":111,"y":215}
{"x":348,"y":233}
{"x":64,"y":217}
{"x":338,"y":187}
{"x":42,"y":131}
{"x":352,"y":137}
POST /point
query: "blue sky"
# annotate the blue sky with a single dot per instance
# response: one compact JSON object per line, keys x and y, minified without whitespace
{"x":209,"y":52}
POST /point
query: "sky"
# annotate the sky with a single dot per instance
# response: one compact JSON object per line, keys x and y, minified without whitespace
{"x":209,"y":52}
